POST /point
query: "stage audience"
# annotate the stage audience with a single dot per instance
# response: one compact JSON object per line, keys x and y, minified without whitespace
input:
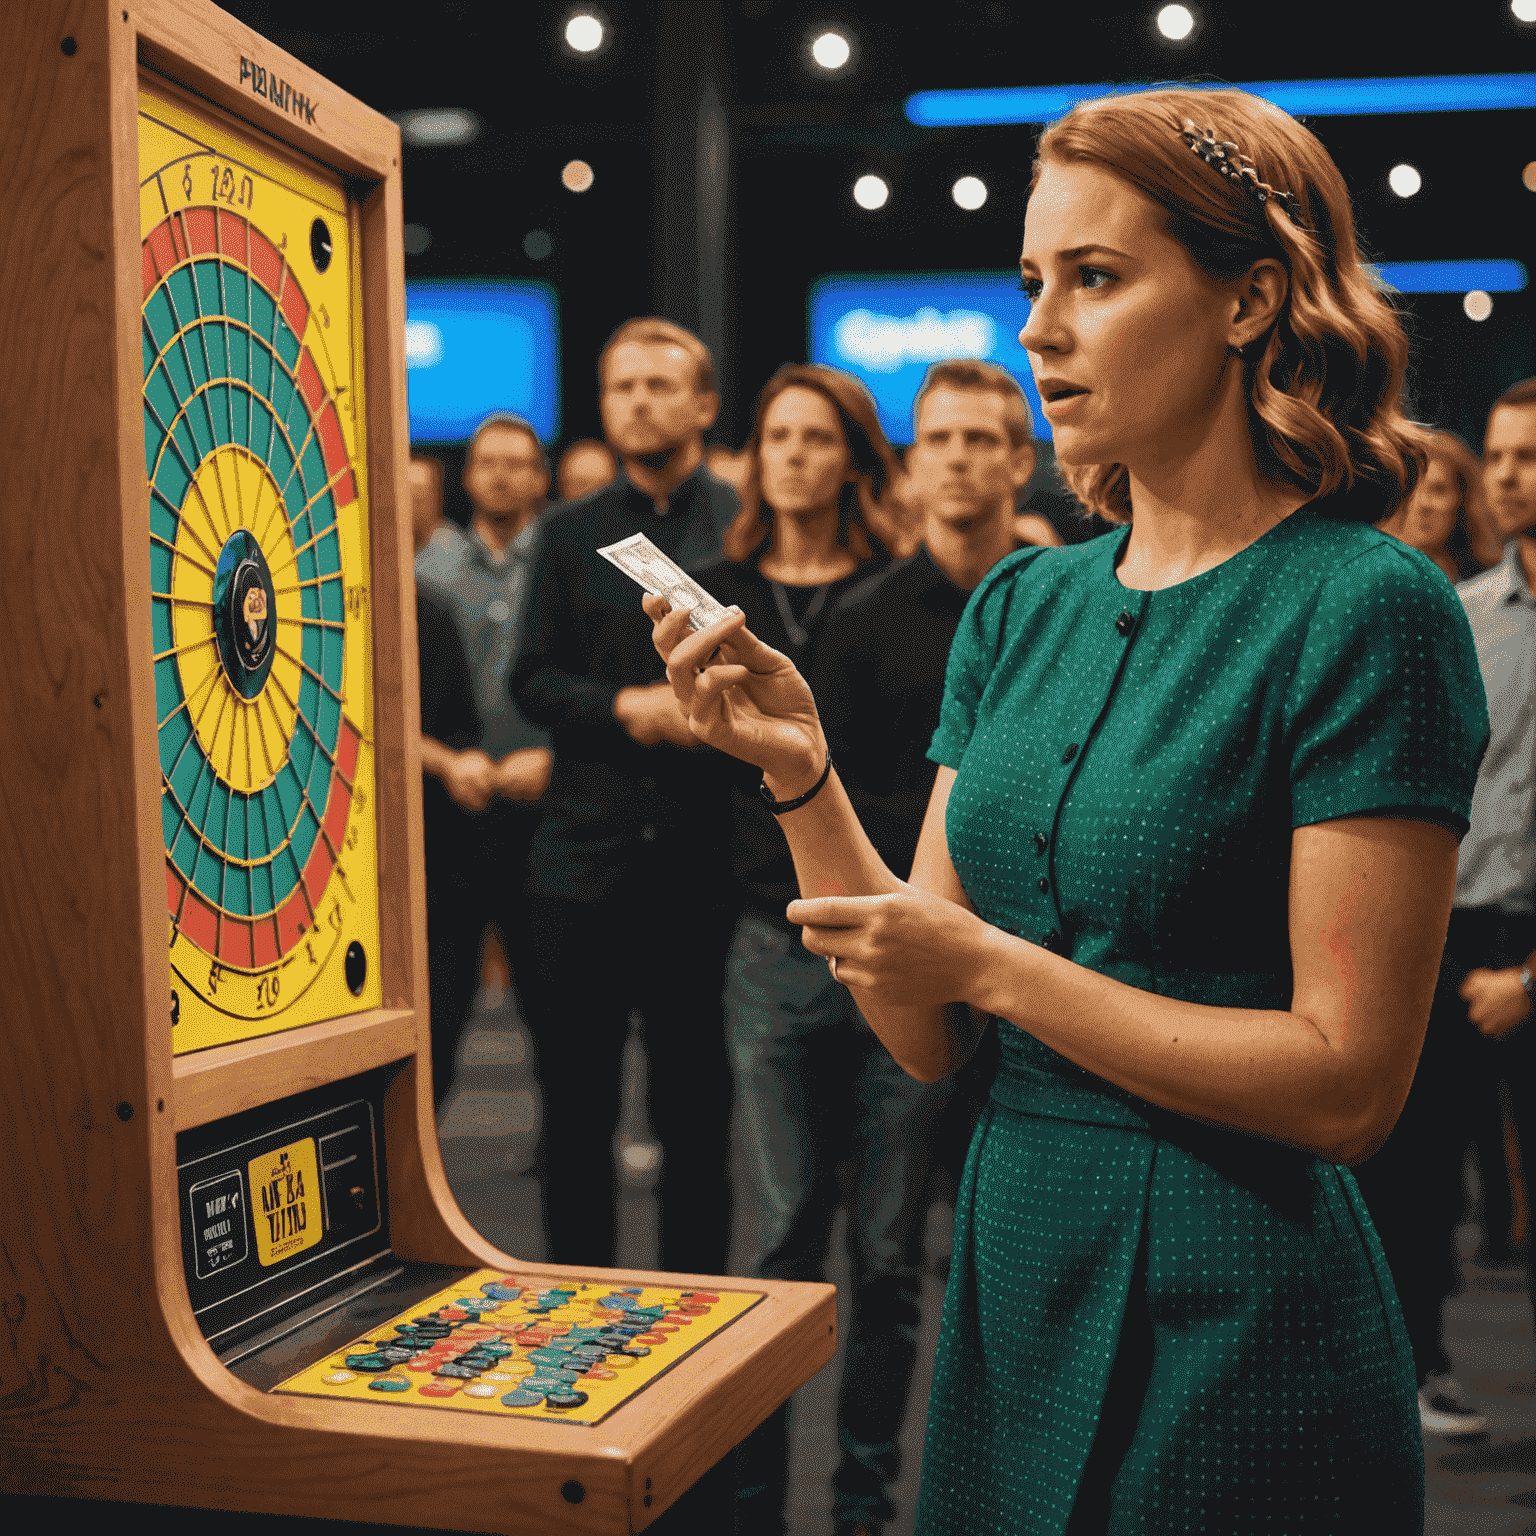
{"x":1479,"y":1029}
{"x":1446,"y":516}
{"x":633,"y":836}
{"x":481,"y":577}
{"x":586,"y":466}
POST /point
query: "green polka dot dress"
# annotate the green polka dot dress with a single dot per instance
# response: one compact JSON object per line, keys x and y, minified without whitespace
{"x":1152,"y":1325}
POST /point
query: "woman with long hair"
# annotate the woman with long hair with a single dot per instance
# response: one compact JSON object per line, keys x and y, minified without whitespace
{"x":817,"y":520}
{"x":1191,"y":852}
{"x":1445,"y":517}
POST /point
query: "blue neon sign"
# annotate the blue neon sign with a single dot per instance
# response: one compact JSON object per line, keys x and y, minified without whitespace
{"x":477,"y":345}
{"x":1320,"y":98}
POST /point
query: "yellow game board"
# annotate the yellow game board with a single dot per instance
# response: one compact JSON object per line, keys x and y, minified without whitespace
{"x":574,"y":1353}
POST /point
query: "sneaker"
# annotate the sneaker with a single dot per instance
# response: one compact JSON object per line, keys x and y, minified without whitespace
{"x":1445,"y":1409}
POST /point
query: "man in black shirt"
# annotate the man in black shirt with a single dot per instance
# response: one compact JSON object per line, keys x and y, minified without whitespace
{"x":631,"y":848}
{"x":879,"y":681}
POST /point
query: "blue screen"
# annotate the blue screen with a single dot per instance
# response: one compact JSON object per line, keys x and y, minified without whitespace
{"x":477,"y":345}
{"x":887,"y":328}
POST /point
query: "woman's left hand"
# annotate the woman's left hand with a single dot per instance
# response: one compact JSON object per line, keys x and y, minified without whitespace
{"x":906,"y":948}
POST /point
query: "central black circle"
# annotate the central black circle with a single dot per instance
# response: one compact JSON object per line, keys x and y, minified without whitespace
{"x":320,"y":245}
{"x":244,"y":613}
{"x":356,"y":966}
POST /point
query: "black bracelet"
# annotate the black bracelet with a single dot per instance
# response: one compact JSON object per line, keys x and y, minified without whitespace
{"x":779,"y":807}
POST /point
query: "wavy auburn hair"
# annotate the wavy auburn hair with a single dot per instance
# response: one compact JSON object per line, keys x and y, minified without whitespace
{"x":864,"y":519}
{"x":1324,"y":384}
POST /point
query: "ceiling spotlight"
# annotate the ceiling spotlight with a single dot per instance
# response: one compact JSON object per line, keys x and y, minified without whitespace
{"x":870,"y":192}
{"x":831,"y":50}
{"x":577,"y":176}
{"x":434,"y":127}
{"x":537,"y":245}
{"x":1525,"y":10}
{"x":970,"y":192}
{"x":1528,"y":177}
{"x":1404,"y":180}
{"x":1477,"y":305}
{"x":584,"y":32}
{"x":1175,"y":22}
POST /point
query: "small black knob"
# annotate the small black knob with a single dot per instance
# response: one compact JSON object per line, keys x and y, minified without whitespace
{"x":1070,"y":753}
{"x":1040,"y":840}
{"x":1044,"y":884}
{"x":1125,"y":623}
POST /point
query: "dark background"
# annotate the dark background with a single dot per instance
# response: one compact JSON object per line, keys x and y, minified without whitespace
{"x":799,"y":137}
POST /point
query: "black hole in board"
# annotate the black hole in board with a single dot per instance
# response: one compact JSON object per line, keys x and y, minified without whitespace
{"x":125,"y":1111}
{"x":320,"y":244}
{"x":572,"y":1492}
{"x":356,"y":968}
{"x":67,"y":47}
{"x":175,"y":1009}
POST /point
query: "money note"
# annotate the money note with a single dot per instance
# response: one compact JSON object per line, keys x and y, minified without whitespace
{"x":662,"y":576}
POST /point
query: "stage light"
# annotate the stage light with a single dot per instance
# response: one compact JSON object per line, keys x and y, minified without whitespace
{"x":537,"y":245}
{"x":831,"y":50}
{"x":1404,"y":180}
{"x":1525,"y":10}
{"x":1477,"y":305}
{"x":1301,"y":98}
{"x":584,"y":32}
{"x":438,"y":127}
{"x":577,"y":176}
{"x":870,"y":192}
{"x":1175,"y":21}
{"x":417,"y":239}
{"x":970,"y":192}
{"x":1528,"y":177}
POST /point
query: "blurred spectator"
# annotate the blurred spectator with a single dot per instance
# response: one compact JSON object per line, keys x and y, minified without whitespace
{"x":1446,"y":517}
{"x":728,"y":465}
{"x":629,"y":908}
{"x":1479,"y":1024}
{"x":481,"y":577}
{"x":426,"y":481}
{"x":586,"y":466}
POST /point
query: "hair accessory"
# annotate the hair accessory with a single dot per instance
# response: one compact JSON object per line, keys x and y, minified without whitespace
{"x":1236,"y":166}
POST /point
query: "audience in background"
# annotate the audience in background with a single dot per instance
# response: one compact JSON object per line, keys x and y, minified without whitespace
{"x":425,"y":476}
{"x":1446,"y":516}
{"x":481,"y":577}
{"x":586,"y":466}
{"x":629,"y":891}
{"x":1479,"y":1029}
{"x":728,"y":465}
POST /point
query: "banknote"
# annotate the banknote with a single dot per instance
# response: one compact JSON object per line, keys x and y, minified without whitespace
{"x":661,"y":576}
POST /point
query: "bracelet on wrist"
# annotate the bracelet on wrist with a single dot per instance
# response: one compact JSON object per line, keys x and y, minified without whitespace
{"x":780,"y":807}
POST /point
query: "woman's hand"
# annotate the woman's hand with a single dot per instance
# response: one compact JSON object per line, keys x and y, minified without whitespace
{"x":909,"y":948}
{"x":747,"y":700}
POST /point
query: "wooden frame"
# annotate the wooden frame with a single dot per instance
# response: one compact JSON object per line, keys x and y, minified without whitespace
{"x":111,"y":1390}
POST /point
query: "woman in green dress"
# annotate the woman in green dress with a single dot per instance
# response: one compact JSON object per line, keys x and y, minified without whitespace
{"x":1190,"y":851}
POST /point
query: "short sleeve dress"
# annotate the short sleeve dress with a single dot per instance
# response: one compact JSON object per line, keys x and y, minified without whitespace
{"x":1152,"y":1325}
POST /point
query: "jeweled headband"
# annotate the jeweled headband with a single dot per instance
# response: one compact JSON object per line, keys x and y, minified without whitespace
{"x":1236,"y":166}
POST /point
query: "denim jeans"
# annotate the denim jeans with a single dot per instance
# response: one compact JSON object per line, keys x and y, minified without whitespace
{"x":813,"y":1086}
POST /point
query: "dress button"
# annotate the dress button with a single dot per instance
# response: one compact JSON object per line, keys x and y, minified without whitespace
{"x":1052,"y":941}
{"x":1070,"y":753}
{"x":1040,"y":840}
{"x":1125,"y":623}
{"x":1044,"y":884}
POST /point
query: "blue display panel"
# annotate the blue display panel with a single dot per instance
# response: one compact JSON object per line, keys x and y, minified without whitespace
{"x":477,"y":345}
{"x":886,"y":329}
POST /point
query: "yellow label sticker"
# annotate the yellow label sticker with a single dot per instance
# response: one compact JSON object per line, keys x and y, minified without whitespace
{"x":285,"y":1201}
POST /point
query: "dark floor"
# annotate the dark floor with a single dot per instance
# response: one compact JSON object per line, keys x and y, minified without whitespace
{"x":489,"y":1129}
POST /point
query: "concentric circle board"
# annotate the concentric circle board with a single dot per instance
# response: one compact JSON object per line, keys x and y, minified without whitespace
{"x":258,"y":538}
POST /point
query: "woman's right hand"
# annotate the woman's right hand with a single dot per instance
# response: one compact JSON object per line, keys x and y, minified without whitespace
{"x":748,"y":700}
